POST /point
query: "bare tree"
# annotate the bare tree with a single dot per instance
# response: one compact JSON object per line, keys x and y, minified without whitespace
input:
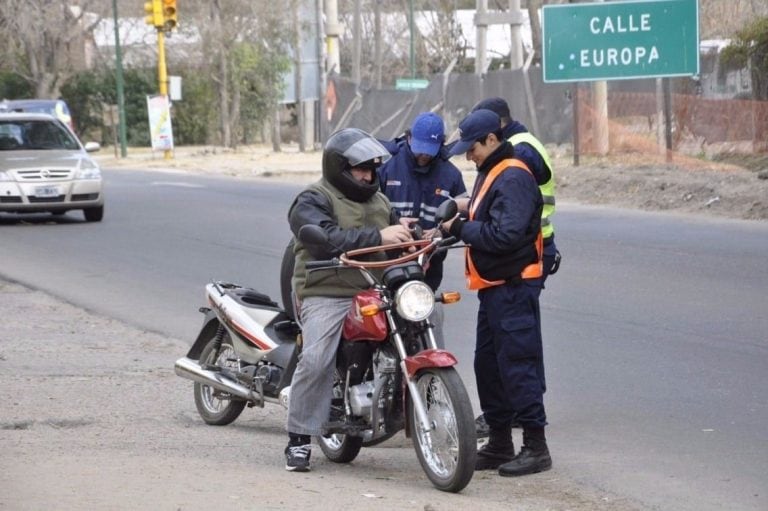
{"x":242,"y":43}
{"x":43,"y":41}
{"x":723,"y":18}
{"x":534,"y":7}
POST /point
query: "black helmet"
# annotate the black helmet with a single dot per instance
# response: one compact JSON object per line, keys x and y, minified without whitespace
{"x":352,"y":147}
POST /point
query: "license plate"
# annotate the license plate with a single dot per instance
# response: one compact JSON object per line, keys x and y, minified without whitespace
{"x":47,"y":191}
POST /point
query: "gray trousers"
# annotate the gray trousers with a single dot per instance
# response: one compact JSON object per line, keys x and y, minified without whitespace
{"x":322,"y":319}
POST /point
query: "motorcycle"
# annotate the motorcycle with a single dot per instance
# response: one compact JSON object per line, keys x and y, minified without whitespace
{"x":389,"y":376}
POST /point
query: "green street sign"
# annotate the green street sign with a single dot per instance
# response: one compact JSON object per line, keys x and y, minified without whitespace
{"x":620,"y":40}
{"x":411,"y":84}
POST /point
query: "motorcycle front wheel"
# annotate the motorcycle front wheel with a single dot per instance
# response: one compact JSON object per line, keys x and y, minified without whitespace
{"x":217,"y":408}
{"x":447,"y":452}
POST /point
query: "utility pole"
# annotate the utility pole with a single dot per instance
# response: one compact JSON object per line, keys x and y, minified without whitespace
{"x":120,"y":87}
{"x":484,"y":18}
{"x":332,"y":32}
{"x":413,"y":51}
{"x":600,"y":98}
{"x":516,"y":50}
{"x":357,"y":48}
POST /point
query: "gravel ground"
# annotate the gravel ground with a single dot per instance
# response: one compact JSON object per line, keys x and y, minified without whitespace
{"x":94,"y":418}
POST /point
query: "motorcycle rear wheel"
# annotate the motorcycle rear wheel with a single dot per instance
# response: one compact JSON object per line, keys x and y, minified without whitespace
{"x":337,"y":447}
{"x":448,"y":451}
{"x":215,"y":407}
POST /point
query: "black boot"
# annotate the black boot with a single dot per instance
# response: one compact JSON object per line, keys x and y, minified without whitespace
{"x":497,"y":451}
{"x":533,"y":457}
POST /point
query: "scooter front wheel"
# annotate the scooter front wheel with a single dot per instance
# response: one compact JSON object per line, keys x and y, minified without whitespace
{"x":448,"y":450}
{"x":217,"y":408}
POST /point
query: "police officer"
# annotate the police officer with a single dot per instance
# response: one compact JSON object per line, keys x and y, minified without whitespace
{"x":504,"y":264}
{"x":419,"y":177}
{"x":532,"y":152}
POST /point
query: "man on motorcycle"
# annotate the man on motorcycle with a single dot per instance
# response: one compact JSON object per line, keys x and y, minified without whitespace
{"x":347,"y":204}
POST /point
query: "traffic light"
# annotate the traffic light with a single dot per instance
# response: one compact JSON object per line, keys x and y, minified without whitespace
{"x":154,"y":10}
{"x":169,"y":15}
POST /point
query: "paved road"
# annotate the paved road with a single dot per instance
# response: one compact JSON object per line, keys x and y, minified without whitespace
{"x":655,"y":331}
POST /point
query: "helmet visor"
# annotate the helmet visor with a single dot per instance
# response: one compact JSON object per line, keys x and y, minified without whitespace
{"x":366,"y":150}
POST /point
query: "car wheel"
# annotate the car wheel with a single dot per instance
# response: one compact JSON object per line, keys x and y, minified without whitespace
{"x":94,"y":214}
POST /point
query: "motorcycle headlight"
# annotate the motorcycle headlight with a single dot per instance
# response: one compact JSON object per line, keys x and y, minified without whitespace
{"x":415,"y":301}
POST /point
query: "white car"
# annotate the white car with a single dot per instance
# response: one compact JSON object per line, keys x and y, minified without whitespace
{"x":45,"y":168}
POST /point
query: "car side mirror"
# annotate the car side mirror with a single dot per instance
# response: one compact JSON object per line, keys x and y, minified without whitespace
{"x":92,"y":147}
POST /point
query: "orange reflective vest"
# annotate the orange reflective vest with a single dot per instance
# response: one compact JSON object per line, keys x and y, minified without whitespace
{"x":533,"y":270}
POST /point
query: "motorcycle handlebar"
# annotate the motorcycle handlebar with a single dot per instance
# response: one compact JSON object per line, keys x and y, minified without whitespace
{"x":313,"y":265}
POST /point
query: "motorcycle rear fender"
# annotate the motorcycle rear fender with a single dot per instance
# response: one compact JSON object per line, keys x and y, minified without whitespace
{"x":429,"y":358}
{"x":210,"y":324}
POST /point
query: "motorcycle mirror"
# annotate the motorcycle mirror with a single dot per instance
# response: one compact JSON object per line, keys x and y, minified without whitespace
{"x":446,"y":211}
{"x":312,"y":235}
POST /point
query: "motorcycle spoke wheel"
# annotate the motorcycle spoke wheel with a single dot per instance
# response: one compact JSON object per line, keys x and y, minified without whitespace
{"x":218,"y":408}
{"x":447,"y":451}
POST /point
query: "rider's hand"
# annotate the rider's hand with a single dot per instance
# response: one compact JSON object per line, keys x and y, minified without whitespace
{"x":430,"y":233}
{"x":395,"y":234}
{"x":407,"y":221}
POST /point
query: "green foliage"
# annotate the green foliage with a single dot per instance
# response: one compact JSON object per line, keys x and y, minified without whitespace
{"x":88,"y":92}
{"x":13,"y":86}
{"x":750,"y":48}
{"x":259,"y":77}
{"x":194,"y":115}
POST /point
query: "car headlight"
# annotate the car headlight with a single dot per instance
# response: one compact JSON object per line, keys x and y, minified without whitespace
{"x":88,"y":170}
{"x":415,"y":301}
{"x":4,"y":176}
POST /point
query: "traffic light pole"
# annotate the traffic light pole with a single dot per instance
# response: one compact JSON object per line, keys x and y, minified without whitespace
{"x":162,"y":75}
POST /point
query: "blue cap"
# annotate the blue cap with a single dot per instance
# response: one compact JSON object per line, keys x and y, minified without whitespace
{"x":427,"y":134}
{"x":474,"y":127}
{"x":498,"y":105}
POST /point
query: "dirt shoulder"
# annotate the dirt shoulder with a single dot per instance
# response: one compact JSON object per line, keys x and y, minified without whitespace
{"x":730,"y":185}
{"x":94,"y":418}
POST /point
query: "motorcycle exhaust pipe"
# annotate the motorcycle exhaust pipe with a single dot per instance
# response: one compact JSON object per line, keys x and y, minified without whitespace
{"x":190,"y":369}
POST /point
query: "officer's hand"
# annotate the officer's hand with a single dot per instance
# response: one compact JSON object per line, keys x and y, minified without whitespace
{"x":406,"y":221}
{"x":395,"y":234}
{"x":462,"y":204}
{"x":446,"y":226}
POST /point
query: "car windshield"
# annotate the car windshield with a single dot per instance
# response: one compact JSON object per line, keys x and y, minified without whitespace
{"x":35,"y":134}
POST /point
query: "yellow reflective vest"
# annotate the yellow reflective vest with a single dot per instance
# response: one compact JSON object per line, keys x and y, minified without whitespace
{"x":548,"y":188}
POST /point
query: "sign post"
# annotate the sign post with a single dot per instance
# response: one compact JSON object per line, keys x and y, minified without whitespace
{"x":620,"y":40}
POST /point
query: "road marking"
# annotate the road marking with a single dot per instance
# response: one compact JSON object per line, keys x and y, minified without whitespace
{"x":179,"y":184}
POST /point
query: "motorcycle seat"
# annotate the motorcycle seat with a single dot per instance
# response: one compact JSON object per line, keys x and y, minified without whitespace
{"x":252,"y":298}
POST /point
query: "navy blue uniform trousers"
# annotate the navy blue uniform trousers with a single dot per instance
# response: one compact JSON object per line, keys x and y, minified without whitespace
{"x":509,"y":363}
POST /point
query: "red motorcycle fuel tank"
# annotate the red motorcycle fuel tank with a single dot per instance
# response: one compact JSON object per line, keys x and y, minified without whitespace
{"x":365,"y":328}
